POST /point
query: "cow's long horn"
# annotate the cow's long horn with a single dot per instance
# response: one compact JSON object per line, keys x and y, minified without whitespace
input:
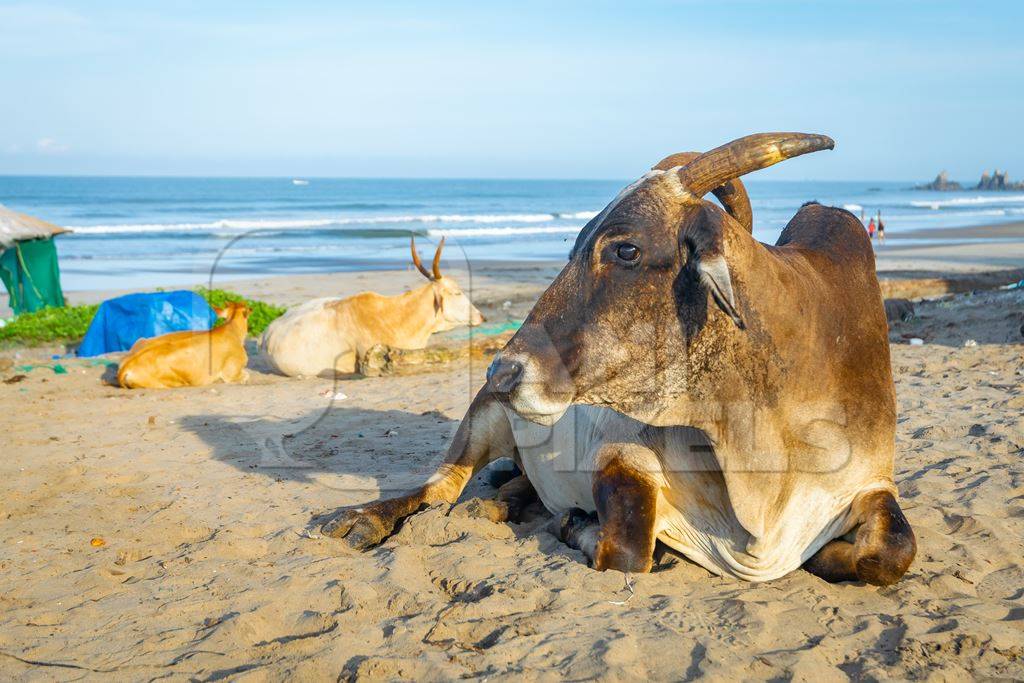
{"x":437,"y":260}
{"x":416,"y":258}
{"x":747,"y":154}
{"x":731,"y":193}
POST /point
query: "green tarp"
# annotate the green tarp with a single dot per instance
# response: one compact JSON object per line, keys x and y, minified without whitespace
{"x":30,"y":273}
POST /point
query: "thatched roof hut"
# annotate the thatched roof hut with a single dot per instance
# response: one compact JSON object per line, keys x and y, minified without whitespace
{"x":28,"y":261}
{"x":18,"y":227}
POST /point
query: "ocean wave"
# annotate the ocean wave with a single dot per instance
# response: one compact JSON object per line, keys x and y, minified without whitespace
{"x":584,"y":215}
{"x":212,"y":225}
{"x":306,"y":223}
{"x":504,"y":231}
{"x":484,"y":218}
{"x":958,"y":216}
{"x":853,"y":208}
{"x":937,"y":204}
{"x":274,"y":207}
{"x":906,"y":218}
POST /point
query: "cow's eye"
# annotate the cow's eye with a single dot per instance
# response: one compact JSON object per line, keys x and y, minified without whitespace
{"x":627,"y":252}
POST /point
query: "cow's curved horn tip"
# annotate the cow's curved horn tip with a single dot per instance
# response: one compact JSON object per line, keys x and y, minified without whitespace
{"x":826,"y":142}
{"x":802,"y":143}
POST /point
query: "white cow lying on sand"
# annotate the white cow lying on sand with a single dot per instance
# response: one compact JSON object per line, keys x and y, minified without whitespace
{"x":326,"y":336}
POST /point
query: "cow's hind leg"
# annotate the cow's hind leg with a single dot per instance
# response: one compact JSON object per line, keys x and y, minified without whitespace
{"x":626,"y":496}
{"x":346,"y":363}
{"x":580,"y":530}
{"x":513,"y":497}
{"x":882,"y":550}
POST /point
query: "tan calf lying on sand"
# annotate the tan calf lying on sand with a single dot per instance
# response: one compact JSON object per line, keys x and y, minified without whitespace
{"x":326,"y":336}
{"x":681,"y":382}
{"x":190,"y":359}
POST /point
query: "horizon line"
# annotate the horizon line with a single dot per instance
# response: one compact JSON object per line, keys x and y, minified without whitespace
{"x":416,"y":178}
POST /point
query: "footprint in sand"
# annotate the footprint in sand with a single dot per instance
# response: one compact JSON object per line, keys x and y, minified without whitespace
{"x":1003,"y":584}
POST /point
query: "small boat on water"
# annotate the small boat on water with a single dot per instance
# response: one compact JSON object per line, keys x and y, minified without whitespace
{"x":297,"y":181}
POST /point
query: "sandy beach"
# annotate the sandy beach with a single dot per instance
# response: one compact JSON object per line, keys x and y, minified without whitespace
{"x":174,"y":533}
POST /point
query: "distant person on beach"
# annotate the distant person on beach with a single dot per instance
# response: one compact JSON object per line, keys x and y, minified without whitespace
{"x":871,"y":229}
{"x":881,"y":229}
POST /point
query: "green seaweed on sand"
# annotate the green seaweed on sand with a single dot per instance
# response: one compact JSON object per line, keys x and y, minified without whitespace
{"x":65,"y":324}
{"x":68,"y":324}
{"x":262,"y":313}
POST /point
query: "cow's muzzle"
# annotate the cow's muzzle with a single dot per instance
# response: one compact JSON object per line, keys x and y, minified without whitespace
{"x":520,"y":383}
{"x":504,"y":376}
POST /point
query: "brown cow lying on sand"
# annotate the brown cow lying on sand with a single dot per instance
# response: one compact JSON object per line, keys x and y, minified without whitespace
{"x":681,"y":382}
{"x":190,"y":359}
{"x":324,"y":337}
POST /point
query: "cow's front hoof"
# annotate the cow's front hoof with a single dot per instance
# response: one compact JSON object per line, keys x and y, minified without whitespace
{"x":884,"y":568}
{"x":496,"y":511}
{"x":359,"y":528}
{"x":572,"y":523}
{"x":612,"y":554}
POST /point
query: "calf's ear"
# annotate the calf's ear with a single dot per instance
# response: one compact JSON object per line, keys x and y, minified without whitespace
{"x":705,"y":239}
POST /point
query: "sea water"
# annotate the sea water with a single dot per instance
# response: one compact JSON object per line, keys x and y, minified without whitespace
{"x":148,"y":231}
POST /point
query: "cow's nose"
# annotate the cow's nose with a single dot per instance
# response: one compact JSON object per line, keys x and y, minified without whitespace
{"x":504,"y":375}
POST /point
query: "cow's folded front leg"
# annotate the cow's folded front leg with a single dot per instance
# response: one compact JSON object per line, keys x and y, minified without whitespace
{"x":366,"y":526}
{"x":483,"y":435}
{"x":883,"y":548}
{"x":625,"y":489}
{"x":513,"y":497}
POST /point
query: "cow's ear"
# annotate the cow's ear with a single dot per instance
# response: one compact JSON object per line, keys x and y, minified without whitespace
{"x":706,"y":242}
{"x":714,"y":274}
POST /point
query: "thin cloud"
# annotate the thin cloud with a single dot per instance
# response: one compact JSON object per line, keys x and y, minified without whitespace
{"x":51,"y":146}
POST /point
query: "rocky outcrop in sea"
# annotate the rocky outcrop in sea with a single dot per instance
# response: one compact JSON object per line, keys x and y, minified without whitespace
{"x":996,"y":181}
{"x":942,"y":183}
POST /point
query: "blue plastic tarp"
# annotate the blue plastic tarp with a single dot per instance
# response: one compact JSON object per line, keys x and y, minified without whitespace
{"x":121,"y":322}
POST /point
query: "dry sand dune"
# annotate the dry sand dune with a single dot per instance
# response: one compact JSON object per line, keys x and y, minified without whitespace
{"x":207,"y":501}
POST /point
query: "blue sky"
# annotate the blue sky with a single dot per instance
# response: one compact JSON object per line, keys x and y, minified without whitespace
{"x":505,"y":89}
